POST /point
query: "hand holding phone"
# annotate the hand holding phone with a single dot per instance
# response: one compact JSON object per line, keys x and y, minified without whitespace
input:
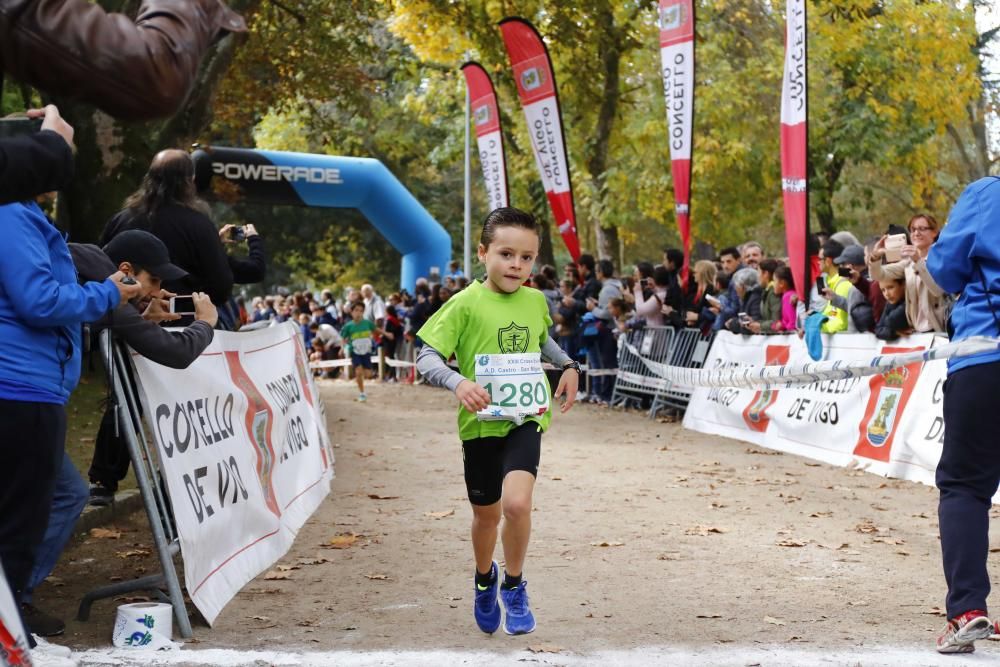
{"x":820,"y":284}
{"x":893,"y":247}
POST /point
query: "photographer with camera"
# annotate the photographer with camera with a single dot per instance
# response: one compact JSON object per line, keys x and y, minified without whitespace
{"x":36,"y":154}
{"x":893,"y":257}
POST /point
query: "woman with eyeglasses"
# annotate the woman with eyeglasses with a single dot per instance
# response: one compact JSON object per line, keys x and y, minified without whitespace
{"x":926,"y":302}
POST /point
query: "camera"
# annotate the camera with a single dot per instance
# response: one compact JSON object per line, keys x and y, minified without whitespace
{"x":237,"y":234}
{"x":19,"y":126}
{"x":844,"y":272}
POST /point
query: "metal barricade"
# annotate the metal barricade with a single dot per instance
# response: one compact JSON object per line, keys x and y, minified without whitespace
{"x":634,"y":383}
{"x":147,"y":475}
{"x":690,"y":349}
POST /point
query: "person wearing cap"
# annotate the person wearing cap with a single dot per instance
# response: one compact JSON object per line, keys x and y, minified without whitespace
{"x":846,"y":310}
{"x":146,"y":257}
{"x":851,"y":265}
{"x":143,"y":257}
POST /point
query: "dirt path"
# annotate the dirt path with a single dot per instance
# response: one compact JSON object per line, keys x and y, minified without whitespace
{"x":645,"y":535}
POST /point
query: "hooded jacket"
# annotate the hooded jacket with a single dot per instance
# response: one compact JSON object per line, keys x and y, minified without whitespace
{"x":966,"y":259}
{"x":133,"y":70}
{"x":174,"y":349}
{"x":42,"y":308}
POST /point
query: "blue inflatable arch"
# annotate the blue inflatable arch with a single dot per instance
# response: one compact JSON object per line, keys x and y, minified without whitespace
{"x":303,"y":179}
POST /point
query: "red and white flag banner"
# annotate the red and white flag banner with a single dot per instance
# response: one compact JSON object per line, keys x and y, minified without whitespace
{"x":677,"y":55}
{"x":794,"y":145}
{"x":486,"y":119}
{"x":536,"y":87}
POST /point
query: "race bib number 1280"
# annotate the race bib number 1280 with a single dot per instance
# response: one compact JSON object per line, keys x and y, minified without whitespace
{"x":516,"y":385}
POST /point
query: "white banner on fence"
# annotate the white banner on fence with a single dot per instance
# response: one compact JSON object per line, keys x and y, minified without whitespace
{"x":890,"y":424}
{"x":243,"y":445}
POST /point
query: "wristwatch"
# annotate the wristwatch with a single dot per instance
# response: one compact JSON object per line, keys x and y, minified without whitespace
{"x":575,"y":365}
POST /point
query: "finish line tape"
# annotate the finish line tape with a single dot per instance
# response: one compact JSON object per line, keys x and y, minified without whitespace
{"x":788,"y":376}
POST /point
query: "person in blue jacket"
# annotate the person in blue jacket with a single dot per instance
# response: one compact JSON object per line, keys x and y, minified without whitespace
{"x":42,"y":308}
{"x":966,"y":260}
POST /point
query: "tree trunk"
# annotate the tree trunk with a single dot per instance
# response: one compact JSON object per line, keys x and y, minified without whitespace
{"x":610,"y":48}
{"x":540,"y":209}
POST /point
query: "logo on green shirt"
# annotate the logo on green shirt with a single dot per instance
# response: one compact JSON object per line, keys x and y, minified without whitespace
{"x":513,"y":339}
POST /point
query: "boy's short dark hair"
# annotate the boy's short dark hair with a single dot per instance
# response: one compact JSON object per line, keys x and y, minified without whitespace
{"x":506,"y":216}
{"x":832,"y":249}
{"x":769,"y":264}
{"x":357,"y":304}
{"x":674,"y":256}
{"x":729,"y":251}
{"x":587,"y":261}
{"x":606,"y":268}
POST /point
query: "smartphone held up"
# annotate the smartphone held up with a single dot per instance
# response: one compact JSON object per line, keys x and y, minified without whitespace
{"x":182,"y":305}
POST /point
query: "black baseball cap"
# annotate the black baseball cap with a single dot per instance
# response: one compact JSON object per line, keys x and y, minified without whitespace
{"x":145,"y":251}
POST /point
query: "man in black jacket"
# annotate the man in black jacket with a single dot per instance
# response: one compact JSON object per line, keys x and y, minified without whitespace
{"x":144,"y":257}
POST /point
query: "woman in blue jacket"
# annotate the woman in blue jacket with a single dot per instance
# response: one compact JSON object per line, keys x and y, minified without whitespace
{"x":966,"y":260}
{"x":41,"y":310}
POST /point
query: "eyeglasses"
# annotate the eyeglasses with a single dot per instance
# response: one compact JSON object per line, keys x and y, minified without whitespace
{"x":921,"y":230}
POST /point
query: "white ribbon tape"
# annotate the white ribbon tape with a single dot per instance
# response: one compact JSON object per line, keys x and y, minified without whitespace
{"x":787,"y":376}
{"x":144,"y":625}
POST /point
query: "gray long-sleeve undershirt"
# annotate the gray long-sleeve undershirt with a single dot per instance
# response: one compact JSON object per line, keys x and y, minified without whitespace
{"x":431,"y":364}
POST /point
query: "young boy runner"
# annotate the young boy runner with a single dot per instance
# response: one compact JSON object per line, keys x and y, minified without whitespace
{"x":498,"y":330}
{"x":357,"y":336}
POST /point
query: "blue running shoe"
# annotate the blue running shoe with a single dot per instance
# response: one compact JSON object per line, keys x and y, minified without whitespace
{"x":520,"y":620}
{"x":486,"y":606}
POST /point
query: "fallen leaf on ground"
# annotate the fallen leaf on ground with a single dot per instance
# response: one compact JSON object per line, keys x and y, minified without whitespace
{"x":377,"y":577}
{"x":813,"y":465}
{"x":935,"y":611}
{"x":889,"y":540}
{"x":669,"y":556}
{"x":133,"y":553}
{"x":867,"y":526}
{"x":704,"y":531}
{"x":276,"y":575}
{"x":105,"y":533}
{"x":314,"y":561}
{"x":709,"y":616}
{"x":259,"y":618}
{"x":607,"y":544}
{"x":544,"y":648}
{"x":773,"y":621}
{"x":765,"y":452}
{"x":364,"y":455}
{"x":375,"y":496}
{"x":288,"y":568}
{"x":439,"y":515}
{"x":792,"y":543}
{"x":821,"y":515}
{"x":343,"y":541}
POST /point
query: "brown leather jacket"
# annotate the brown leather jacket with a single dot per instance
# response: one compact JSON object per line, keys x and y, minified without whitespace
{"x":133,"y":70}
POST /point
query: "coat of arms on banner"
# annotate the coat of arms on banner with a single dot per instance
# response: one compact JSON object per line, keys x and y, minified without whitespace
{"x":890,"y":392}
{"x":532,"y":78}
{"x":513,"y":339}
{"x":481,"y":115}
{"x":672,"y":16}
{"x":755,"y":415}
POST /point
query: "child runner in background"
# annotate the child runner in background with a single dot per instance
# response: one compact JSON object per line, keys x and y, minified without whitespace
{"x":357,"y":335}
{"x":498,"y":330}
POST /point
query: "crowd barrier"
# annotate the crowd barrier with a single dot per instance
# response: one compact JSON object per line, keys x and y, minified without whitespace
{"x":636,"y":382}
{"x":888,"y":421}
{"x":238,"y":459}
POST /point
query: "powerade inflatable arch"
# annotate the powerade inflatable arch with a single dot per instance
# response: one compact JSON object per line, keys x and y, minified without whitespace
{"x":303,"y":179}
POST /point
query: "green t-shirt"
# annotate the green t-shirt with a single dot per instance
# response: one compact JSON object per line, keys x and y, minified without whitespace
{"x":478,"y":320}
{"x":354,"y":335}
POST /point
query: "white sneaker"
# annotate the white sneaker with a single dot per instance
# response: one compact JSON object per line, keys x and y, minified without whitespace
{"x":47,"y":654}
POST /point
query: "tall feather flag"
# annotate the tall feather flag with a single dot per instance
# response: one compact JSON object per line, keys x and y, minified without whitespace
{"x":677,"y":57}
{"x":536,"y":87}
{"x":486,"y":119}
{"x":795,"y":145}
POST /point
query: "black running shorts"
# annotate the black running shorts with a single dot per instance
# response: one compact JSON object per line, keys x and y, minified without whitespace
{"x":488,"y":460}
